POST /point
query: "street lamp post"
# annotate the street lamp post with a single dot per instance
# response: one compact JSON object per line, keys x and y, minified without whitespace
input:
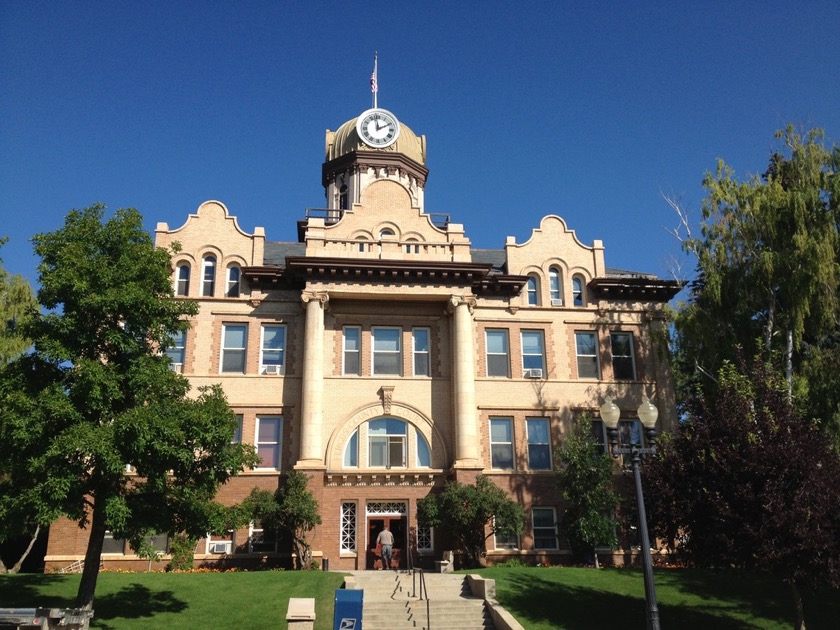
{"x":648,"y":413}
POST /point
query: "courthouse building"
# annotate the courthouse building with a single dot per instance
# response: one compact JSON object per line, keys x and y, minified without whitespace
{"x":383,"y":355}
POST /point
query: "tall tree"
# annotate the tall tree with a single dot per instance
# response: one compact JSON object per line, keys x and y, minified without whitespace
{"x":472,"y":514}
{"x":17,"y":302}
{"x":746,"y":482}
{"x":291,"y":510}
{"x":585,"y":478}
{"x":97,"y":395}
{"x":767,"y":261}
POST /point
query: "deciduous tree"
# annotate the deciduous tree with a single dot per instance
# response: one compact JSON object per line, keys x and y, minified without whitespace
{"x":96,"y":395}
{"x":472,"y":514}
{"x":585,"y":478}
{"x":746,"y":482}
{"x":292,"y":509}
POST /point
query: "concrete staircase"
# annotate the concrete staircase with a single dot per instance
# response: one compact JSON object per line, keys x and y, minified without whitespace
{"x":392,"y":602}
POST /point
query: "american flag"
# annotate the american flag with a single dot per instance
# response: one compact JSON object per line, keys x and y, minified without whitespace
{"x":374,"y":85}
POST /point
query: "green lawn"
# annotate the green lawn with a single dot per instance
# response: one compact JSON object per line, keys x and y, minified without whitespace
{"x":589,"y":599}
{"x":541,"y":598}
{"x":129,"y":601}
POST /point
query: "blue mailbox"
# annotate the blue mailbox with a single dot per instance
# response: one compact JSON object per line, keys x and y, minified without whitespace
{"x":348,"y":609}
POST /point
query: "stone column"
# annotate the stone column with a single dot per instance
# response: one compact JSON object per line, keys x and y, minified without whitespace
{"x":463,"y":362}
{"x":312,"y":396}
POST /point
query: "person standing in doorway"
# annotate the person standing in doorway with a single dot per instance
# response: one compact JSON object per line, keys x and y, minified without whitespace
{"x":386,"y":539}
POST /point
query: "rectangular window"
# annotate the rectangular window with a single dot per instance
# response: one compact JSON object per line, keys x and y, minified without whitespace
{"x":348,"y":527}
{"x":233,"y":347}
{"x":177,"y":350}
{"x":159,"y":542}
{"x":386,"y":443}
{"x":273,"y":350}
{"x":237,"y":432}
{"x":220,"y":543}
{"x":599,"y":436}
{"x":352,"y":348}
{"x":113,"y":545}
{"x":387,"y":351}
{"x":269,"y":438}
{"x":586,"y":346}
{"x":501,"y":443}
{"x":505,"y":541}
{"x":544,"y":523}
{"x":629,"y":434}
{"x":623,"y":363}
{"x":539,"y":444}
{"x":209,"y":276}
{"x":532,"y":353}
{"x":425,"y":539}
{"x":498,"y":357}
{"x":422,"y":364}
{"x":260,"y":539}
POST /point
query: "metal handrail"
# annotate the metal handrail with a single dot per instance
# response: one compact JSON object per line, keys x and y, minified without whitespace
{"x":423,"y":590}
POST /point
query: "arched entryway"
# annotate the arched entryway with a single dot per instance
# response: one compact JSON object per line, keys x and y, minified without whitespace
{"x":378,"y":514}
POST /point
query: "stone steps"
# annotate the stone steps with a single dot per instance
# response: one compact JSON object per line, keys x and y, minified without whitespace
{"x":391,"y":602}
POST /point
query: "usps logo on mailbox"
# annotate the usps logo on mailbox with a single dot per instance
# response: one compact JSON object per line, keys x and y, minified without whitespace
{"x":348,"y":624}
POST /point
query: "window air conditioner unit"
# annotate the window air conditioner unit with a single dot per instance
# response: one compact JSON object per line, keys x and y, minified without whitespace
{"x":177,"y":367}
{"x":272,"y":369}
{"x":557,"y":302}
{"x":223,"y":546}
{"x":533,"y":373}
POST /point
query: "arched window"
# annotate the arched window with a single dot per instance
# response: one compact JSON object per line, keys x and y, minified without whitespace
{"x":182,"y":284}
{"x":388,"y":445}
{"x":342,"y":197}
{"x":533,"y":288}
{"x":209,"y":276}
{"x":578,"y":294}
{"x":234,"y":273}
{"x":351,"y":451}
{"x":424,"y":454}
{"x":386,"y":232}
{"x":555,"y":286}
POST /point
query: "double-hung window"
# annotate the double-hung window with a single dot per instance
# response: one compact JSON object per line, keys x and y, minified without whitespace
{"x":182,"y":283}
{"x":208,"y":276}
{"x":532,"y":353}
{"x":533,"y":290}
{"x":578,"y":295}
{"x":498,"y":358}
{"x":422,"y":363}
{"x":623,"y":363}
{"x":177,"y":350}
{"x":269,"y":438}
{"x":555,"y":286}
{"x":504,"y":541}
{"x":273,"y":349}
{"x":539,"y":444}
{"x":387,"y":351}
{"x":544,"y":524}
{"x":501,"y":443}
{"x":234,"y":340}
{"x":386,"y":443}
{"x":586,"y":346}
{"x":237,"y":432}
{"x":234,"y":275}
{"x":352,"y":350}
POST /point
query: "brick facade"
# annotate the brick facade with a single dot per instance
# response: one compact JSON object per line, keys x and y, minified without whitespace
{"x":384,"y":264}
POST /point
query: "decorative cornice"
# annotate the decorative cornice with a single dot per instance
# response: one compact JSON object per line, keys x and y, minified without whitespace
{"x":372,"y":159}
{"x":641,"y":289}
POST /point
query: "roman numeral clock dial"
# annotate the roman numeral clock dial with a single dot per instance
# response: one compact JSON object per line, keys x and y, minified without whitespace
{"x":378,"y":128}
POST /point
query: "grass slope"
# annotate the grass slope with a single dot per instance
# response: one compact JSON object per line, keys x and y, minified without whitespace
{"x":129,"y":601}
{"x":588,"y":599}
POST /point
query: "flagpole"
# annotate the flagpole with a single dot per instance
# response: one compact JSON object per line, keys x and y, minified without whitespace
{"x":374,"y":79}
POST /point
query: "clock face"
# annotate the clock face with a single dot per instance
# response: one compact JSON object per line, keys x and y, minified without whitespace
{"x":378,"y":128}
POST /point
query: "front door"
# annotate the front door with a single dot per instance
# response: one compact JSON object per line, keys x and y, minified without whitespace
{"x":398,"y":527}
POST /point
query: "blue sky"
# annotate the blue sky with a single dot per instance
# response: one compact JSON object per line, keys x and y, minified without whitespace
{"x":586,"y":110}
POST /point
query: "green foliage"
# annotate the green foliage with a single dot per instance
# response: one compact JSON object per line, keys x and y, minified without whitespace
{"x":292,"y":509}
{"x":585,"y":479}
{"x":768,"y":262}
{"x":182,"y":552}
{"x":468,"y":513}
{"x":96,"y":395}
{"x":17,"y":303}
{"x":746,"y":482}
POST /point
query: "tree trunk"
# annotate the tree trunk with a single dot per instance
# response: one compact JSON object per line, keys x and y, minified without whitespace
{"x":90,"y":571}
{"x":799,"y":623}
{"x":19,"y":563}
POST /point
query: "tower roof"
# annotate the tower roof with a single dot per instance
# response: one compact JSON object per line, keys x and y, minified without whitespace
{"x":346,"y":139}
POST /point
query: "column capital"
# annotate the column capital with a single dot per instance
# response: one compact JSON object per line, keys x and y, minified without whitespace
{"x":458,"y":300}
{"x":315,"y":296}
